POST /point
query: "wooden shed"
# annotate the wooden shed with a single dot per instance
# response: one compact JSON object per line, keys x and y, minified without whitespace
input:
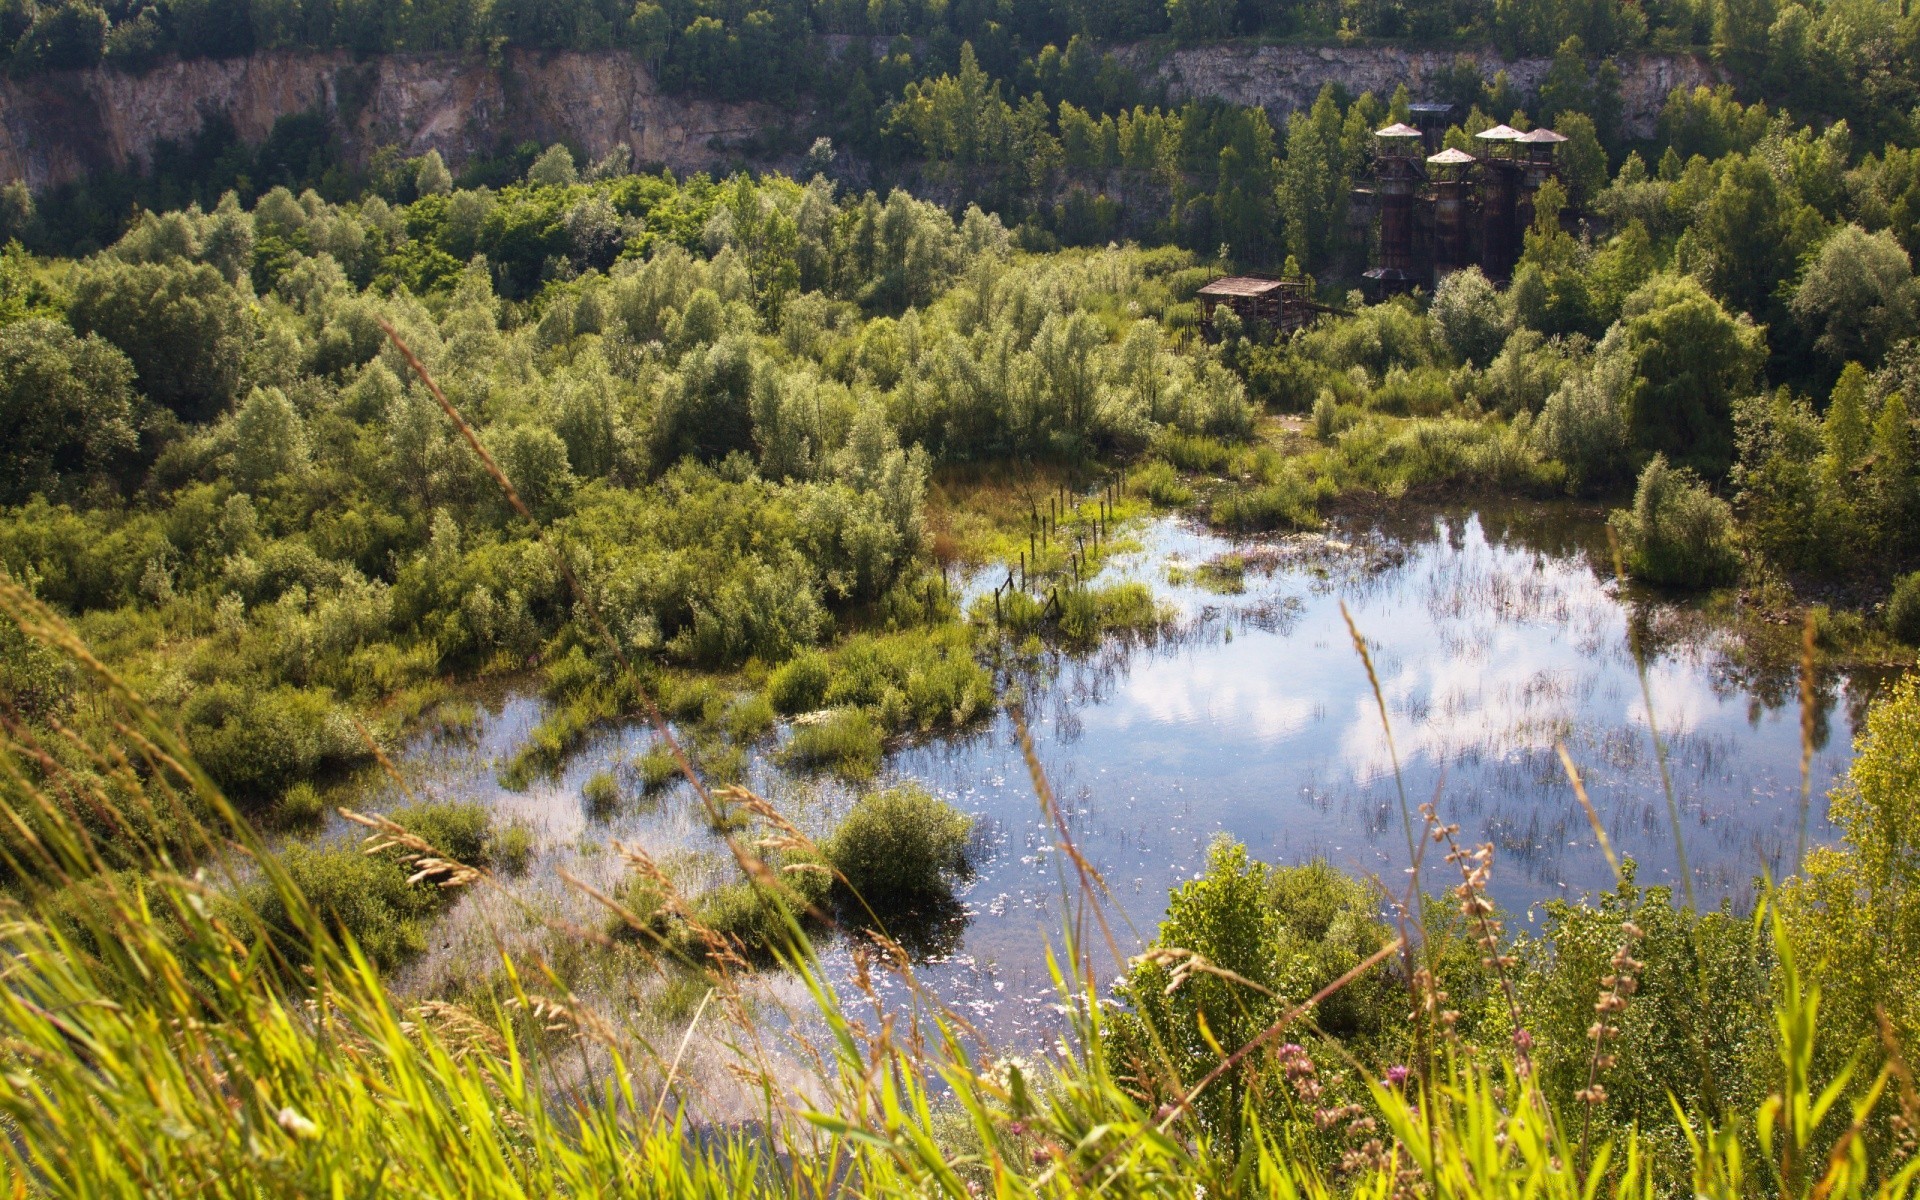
{"x":1278,"y":304}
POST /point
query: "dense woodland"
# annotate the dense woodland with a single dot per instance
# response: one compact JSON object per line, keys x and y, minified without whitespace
{"x":760,"y":423}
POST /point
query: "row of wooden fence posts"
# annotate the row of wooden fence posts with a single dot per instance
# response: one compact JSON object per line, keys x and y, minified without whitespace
{"x":1041,"y":530}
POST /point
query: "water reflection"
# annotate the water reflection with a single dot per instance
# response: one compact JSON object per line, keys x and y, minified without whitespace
{"x":1495,"y":639}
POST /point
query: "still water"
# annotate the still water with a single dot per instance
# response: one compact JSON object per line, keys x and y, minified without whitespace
{"x":1496,"y":636}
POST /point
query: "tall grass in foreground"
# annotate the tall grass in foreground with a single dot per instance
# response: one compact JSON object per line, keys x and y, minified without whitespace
{"x":156,"y":1037}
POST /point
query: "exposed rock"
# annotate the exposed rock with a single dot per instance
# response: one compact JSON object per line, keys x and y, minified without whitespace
{"x":58,"y":127}
{"x":1286,"y":78}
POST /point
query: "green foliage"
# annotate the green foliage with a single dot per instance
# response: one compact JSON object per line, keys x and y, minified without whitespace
{"x":1858,"y":297}
{"x":658,"y":768}
{"x":1158,"y":482}
{"x":1269,"y":939}
{"x":800,"y":683}
{"x":1851,"y":916}
{"x":256,"y":744}
{"x":900,"y":847}
{"x":847,"y":740}
{"x":1468,"y":318}
{"x":1694,"y":1033}
{"x":68,"y":406}
{"x":601,"y":793}
{"x":1903,"y":609}
{"x":1288,"y":504}
{"x":1691,"y":361}
{"x":369,"y":897}
{"x":182,"y":325}
{"x":1677,"y":534}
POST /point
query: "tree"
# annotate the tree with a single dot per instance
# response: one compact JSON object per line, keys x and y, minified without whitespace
{"x":554,"y":168}
{"x":1583,"y":161}
{"x":1859,"y":296}
{"x":1567,"y":88}
{"x":1468,"y":317}
{"x":432,"y":177}
{"x":66,"y":408}
{"x":1748,"y":231}
{"x":1691,"y":361}
{"x":63,"y":38}
{"x":1200,"y":20}
{"x":1312,"y":190}
{"x":182,"y":324}
{"x":269,"y":439}
{"x":1677,"y":534}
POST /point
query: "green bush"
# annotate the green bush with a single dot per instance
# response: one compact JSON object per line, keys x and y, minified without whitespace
{"x":1903,"y":609}
{"x":1694,"y":1021}
{"x":847,"y":740}
{"x":368,"y":896}
{"x":1089,"y":613}
{"x":601,"y":792}
{"x":658,"y":768}
{"x":1677,"y":534}
{"x":760,"y":919}
{"x":360,"y":896}
{"x":750,"y":718}
{"x":900,"y":847}
{"x":258,"y":743}
{"x":1284,"y":505}
{"x":1190,"y":452}
{"x":300,"y":805}
{"x":1158,"y":482}
{"x":800,"y":684}
{"x":923,"y":679}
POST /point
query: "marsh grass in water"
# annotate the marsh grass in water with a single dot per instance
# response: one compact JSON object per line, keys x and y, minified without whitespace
{"x":1291,"y":1071}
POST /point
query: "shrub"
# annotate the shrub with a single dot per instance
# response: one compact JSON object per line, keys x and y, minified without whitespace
{"x":800,"y":683}
{"x":1158,"y":482}
{"x":658,"y":768}
{"x":647,"y":903}
{"x":300,"y":805}
{"x":1190,"y":452}
{"x":601,"y":792}
{"x":364,"y":897}
{"x":1677,"y":534}
{"x":847,"y":740}
{"x":1326,"y":416}
{"x":750,"y":718}
{"x":1903,"y":609}
{"x":1693,"y":1023}
{"x":1584,"y":424}
{"x":900,"y":847}
{"x":760,"y":919}
{"x":256,"y":744}
{"x":1088,"y":613}
{"x":921,"y":678}
{"x":1467,"y":317}
{"x":1288,"y":504}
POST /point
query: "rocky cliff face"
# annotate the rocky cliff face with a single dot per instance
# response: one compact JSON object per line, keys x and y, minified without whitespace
{"x":56,"y":128}
{"x":1285,"y":79}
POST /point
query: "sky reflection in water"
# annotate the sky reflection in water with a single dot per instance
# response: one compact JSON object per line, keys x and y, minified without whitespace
{"x":1494,"y":640}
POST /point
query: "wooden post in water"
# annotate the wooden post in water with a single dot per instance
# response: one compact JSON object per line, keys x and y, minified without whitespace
{"x":1023,"y":572}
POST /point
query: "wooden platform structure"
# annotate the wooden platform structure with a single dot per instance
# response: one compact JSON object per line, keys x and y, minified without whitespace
{"x":1282,"y":305}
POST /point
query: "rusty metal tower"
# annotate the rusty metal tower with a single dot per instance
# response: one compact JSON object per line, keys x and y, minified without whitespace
{"x":1501,"y":171}
{"x":1398,"y":172}
{"x":1450,"y":173}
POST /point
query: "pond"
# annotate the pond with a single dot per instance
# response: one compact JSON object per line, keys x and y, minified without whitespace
{"x":1496,"y":636}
